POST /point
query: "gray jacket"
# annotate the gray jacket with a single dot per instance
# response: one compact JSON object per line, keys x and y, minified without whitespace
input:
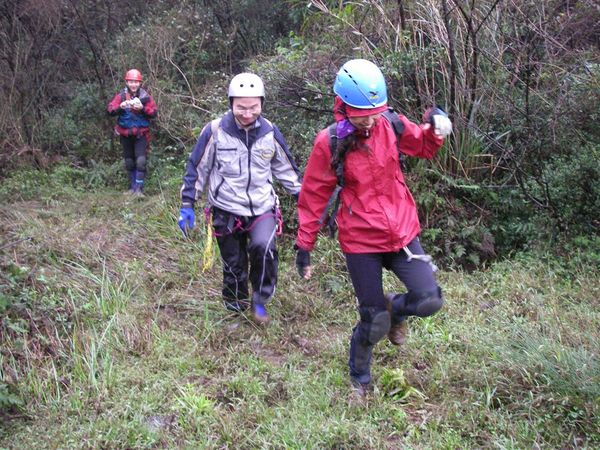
{"x":238,"y":166}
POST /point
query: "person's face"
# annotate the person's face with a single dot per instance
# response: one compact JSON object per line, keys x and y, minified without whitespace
{"x":246,"y":109}
{"x":364,"y":123}
{"x":133,"y":85}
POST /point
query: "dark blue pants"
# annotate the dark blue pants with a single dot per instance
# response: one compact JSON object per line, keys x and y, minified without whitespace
{"x":366,"y":272}
{"x":135,"y":149}
{"x":247,"y":241}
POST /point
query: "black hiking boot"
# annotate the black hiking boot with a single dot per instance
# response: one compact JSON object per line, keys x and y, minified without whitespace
{"x":398,"y":331}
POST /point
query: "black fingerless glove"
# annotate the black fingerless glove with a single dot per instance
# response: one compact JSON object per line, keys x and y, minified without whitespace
{"x":302,"y":260}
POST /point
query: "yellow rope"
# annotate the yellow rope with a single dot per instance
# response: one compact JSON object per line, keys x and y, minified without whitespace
{"x":207,"y":256}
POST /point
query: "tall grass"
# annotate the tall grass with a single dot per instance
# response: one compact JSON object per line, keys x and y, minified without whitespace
{"x":111,"y":294}
{"x":130,"y":347}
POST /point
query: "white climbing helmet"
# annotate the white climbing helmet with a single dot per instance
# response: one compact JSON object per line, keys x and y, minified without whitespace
{"x":246,"y":85}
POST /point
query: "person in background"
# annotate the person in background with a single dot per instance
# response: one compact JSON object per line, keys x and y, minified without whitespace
{"x":377,"y":216}
{"x":134,"y":107}
{"x":235,"y":159}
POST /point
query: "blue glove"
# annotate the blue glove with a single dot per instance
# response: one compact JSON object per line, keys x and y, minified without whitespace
{"x":186,"y":219}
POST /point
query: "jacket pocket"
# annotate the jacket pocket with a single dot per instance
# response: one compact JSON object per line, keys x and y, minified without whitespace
{"x":228,"y":162}
{"x":261,"y":163}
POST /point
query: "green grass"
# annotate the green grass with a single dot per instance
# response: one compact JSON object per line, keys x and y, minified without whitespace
{"x":113,"y":336}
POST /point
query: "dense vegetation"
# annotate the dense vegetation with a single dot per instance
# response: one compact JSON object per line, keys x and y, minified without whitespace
{"x":111,"y":334}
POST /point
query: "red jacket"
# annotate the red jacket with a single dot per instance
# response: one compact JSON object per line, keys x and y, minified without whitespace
{"x":377,"y":212}
{"x":132,"y":122}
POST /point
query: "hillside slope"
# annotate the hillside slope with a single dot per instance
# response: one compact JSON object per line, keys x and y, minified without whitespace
{"x":113,"y":336}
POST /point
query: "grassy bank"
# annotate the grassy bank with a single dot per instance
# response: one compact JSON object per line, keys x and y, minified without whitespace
{"x":113,"y":336}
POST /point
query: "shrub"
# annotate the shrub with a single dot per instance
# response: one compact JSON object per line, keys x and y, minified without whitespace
{"x":570,"y":184}
{"x":79,"y":128}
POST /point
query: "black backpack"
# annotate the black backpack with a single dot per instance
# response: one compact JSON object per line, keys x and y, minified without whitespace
{"x":330,"y":213}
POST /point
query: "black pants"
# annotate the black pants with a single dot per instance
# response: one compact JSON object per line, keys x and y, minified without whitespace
{"x":243,"y":241}
{"x":135,"y":150}
{"x":366,"y":272}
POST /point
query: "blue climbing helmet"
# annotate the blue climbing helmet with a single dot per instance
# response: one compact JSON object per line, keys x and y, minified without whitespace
{"x":360,"y":84}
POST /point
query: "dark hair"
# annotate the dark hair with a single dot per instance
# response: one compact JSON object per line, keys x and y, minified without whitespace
{"x":345,"y":145}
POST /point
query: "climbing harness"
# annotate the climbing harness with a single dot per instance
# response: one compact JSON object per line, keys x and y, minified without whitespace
{"x":425,"y":258}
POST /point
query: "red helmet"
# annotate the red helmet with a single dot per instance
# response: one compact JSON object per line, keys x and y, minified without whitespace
{"x":133,"y":75}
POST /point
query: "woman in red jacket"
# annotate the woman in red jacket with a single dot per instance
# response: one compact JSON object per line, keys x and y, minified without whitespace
{"x":134,"y":107}
{"x":377,"y":216}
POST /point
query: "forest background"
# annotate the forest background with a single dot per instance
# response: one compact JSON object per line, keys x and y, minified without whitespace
{"x":111,"y":334}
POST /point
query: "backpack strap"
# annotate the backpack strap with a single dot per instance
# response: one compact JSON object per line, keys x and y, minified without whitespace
{"x":397,"y":125}
{"x":125,"y":95}
{"x":333,"y":204}
{"x":333,"y":141}
{"x":392,"y":117}
{"x":214,"y":130}
{"x":214,"y":126}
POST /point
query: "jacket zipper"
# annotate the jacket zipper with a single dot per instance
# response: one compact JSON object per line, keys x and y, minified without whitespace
{"x":249,"y":175}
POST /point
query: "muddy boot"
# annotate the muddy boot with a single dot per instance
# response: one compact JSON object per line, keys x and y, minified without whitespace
{"x":399,"y":330}
{"x":398,"y":333}
{"x":138,"y":188}
{"x":359,"y":393}
{"x":260,"y":314}
{"x":131,"y":175}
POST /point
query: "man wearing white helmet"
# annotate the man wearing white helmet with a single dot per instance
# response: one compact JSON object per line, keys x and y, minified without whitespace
{"x":235,"y":158}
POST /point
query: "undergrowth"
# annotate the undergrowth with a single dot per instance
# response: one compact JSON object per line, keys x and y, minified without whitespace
{"x":113,"y":336}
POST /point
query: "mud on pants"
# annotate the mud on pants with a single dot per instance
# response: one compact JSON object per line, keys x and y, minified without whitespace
{"x":374,"y":324}
{"x":417,"y":303}
{"x":247,"y":241}
{"x":423,"y":298}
